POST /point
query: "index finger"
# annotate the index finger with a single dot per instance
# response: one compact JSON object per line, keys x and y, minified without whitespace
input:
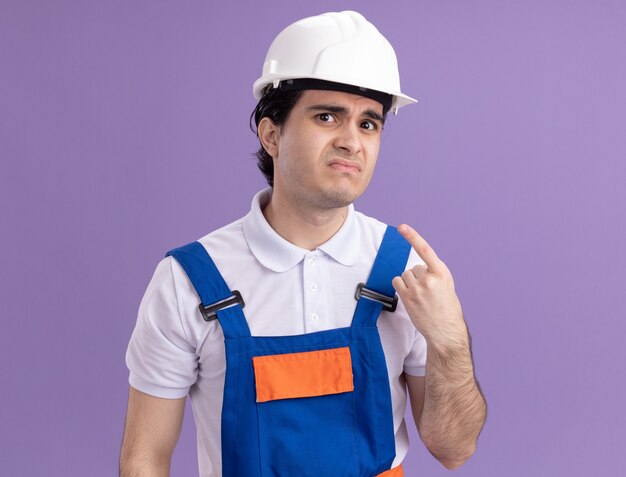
{"x":422,"y":248}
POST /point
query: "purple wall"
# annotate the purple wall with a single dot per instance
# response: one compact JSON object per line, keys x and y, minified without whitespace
{"x":123,"y":132}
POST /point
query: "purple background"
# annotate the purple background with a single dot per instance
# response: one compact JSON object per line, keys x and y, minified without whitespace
{"x":123,"y":133}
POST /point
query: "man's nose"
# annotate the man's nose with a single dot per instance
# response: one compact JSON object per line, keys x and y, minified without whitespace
{"x":348,"y":139}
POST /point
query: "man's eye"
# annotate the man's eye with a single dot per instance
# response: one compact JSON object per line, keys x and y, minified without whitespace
{"x":369,"y":125}
{"x":326,"y":117}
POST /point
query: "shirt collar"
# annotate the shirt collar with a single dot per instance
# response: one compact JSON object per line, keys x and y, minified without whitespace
{"x":279,"y":255}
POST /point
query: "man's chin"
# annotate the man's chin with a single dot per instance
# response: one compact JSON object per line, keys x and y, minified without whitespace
{"x":338,"y":198}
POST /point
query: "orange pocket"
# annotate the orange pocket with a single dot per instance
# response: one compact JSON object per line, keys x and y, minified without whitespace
{"x":295,"y":375}
{"x":395,"y":472}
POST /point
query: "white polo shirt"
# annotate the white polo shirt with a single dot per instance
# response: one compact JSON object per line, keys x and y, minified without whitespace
{"x":287,"y":291}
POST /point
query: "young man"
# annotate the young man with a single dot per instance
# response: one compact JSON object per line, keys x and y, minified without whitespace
{"x":288,"y":374}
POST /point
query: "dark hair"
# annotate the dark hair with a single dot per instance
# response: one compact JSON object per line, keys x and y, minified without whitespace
{"x":276,"y":104}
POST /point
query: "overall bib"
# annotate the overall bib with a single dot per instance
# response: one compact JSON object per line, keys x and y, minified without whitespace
{"x":311,"y":405}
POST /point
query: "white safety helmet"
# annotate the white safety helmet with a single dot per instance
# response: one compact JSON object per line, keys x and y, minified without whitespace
{"x":338,"y":48}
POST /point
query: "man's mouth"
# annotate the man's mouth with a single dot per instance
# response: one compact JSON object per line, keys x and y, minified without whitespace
{"x":344,"y":165}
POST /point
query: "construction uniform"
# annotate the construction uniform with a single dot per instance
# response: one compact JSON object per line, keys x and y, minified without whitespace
{"x":296,"y":359}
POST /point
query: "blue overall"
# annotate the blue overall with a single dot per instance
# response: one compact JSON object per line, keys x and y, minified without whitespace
{"x":343,"y":434}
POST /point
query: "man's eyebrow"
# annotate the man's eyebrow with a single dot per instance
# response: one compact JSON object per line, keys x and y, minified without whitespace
{"x":370,"y":113}
{"x":333,"y":108}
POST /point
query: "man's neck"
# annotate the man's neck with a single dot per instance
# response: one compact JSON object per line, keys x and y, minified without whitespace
{"x":305,"y":227}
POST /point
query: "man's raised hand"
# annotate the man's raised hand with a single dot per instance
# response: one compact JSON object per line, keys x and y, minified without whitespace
{"x":428,"y":294}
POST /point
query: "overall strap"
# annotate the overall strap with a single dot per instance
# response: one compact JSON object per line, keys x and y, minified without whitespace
{"x":390,"y":262}
{"x":217,"y":301}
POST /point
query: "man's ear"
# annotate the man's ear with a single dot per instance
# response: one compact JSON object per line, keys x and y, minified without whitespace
{"x":268,"y":133}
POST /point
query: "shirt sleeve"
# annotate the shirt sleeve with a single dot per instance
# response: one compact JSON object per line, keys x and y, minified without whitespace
{"x":161,"y":360}
{"x":415,"y":361}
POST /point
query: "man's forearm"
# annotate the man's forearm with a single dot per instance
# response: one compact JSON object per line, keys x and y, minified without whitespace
{"x":454,"y":408}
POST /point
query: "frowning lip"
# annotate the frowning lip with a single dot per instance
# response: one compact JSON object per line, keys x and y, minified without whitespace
{"x":345,"y":165}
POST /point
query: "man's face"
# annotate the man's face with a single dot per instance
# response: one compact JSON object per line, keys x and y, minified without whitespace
{"x":327,"y":149}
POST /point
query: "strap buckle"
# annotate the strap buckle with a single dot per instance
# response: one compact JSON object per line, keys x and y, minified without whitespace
{"x":209,"y":312}
{"x":389,"y":303}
